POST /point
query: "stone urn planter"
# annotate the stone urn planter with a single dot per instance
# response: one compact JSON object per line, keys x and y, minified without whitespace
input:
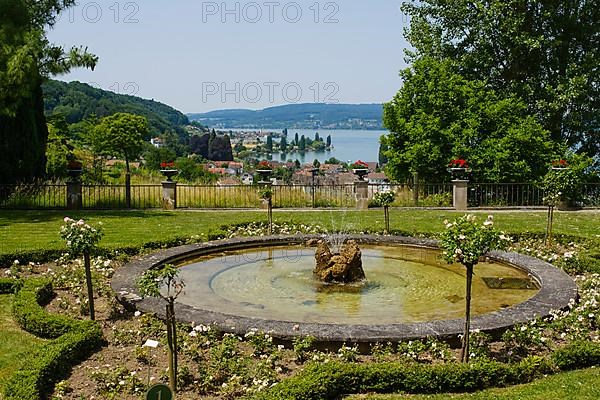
{"x":360,"y":172}
{"x":169,"y":173}
{"x":264,"y":174}
{"x":74,"y":169}
{"x":459,"y":173}
{"x":459,"y":169}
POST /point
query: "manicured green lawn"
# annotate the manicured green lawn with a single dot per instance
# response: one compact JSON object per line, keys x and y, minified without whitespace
{"x":575,"y":385}
{"x":14,"y":342}
{"x":26,"y":230}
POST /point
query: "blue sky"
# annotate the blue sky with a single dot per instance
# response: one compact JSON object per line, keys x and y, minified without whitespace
{"x":204,"y":55}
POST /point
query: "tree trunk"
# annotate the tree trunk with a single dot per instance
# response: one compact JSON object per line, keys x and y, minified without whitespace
{"x":416,"y":189}
{"x":270,"y":214}
{"x":88,"y":281}
{"x":549,"y":223}
{"x":127,"y":189}
{"x":171,"y":347}
{"x":175,"y":350}
{"x":386,"y":212}
{"x":464,"y":354}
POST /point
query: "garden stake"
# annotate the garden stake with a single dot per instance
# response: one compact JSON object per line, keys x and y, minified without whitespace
{"x":464,"y":352}
{"x":88,"y":281}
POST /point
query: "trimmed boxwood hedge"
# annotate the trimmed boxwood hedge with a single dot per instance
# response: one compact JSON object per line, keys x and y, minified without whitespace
{"x":333,"y":379}
{"x":74,"y":341}
{"x":9,"y":285}
{"x":46,"y":255}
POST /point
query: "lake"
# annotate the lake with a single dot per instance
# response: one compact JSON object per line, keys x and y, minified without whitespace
{"x":348,"y":145}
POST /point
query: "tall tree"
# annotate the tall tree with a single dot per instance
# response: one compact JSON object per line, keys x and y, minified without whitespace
{"x":26,"y":59}
{"x":269,"y":144}
{"x":439,"y":115}
{"x":283,"y":144}
{"x":544,"y":52}
{"x":121,"y":135}
{"x":302,"y":144}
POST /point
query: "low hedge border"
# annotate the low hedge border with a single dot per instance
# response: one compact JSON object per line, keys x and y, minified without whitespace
{"x":47,"y":255}
{"x":333,"y":379}
{"x":74,"y":341}
{"x":9,"y":285}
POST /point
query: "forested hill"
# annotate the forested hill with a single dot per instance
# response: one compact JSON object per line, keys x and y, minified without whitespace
{"x":77,"y":101}
{"x":299,"y":116}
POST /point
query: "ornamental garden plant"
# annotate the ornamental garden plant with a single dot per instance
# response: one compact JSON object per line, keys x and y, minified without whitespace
{"x":465,"y":241}
{"x":264,"y":165}
{"x":82,"y":239}
{"x":384,"y":199}
{"x":359,"y":165}
{"x":562,"y":186}
{"x":150,"y":284}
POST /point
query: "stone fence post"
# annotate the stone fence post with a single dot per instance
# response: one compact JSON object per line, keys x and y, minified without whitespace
{"x":361,"y":190}
{"x":169,"y":195}
{"x":74,"y":197}
{"x":459,"y":194}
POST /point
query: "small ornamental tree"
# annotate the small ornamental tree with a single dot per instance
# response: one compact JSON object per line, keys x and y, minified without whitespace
{"x":384,"y":199}
{"x":82,"y":238}
{"x":465,"y":241}
{"x":266,"y":194}
{"x":150,"y":284}
{"x":562,"y":184}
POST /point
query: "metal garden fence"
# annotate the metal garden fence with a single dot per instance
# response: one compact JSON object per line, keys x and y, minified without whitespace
{"x":99,"y":197}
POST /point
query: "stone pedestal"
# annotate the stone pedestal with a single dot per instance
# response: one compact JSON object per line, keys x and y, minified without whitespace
{"x":361,"y":191}
{"x":74,"y":197}
{"x":169,"y":195}
{"x":459,"y":194}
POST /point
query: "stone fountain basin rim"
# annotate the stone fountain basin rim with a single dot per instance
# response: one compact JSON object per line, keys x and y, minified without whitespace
{"x":556,"y":291}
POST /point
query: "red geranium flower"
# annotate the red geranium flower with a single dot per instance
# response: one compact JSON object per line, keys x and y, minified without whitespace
{"x":264,"y":165}
{"x":560,"y":163}
{"x":458,"y":163}
{"x":360,"y":165}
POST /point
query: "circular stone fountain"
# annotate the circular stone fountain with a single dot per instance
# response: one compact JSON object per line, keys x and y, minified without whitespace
{"x":267,"y":283}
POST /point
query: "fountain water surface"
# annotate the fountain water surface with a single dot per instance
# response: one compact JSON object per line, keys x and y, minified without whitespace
{"x":404,"y":284}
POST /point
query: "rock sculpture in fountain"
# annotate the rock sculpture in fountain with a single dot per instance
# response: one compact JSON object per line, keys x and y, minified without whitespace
{"x":342,"y":267}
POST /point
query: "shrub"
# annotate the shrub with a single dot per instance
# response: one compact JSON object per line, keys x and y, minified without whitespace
{"x":75,"y":341}
{"x":9,"y":285}
{"x":36,"y":256}
{"x":30,"y":315}
{"x":333,"y":379}
{"x":578,"y":354}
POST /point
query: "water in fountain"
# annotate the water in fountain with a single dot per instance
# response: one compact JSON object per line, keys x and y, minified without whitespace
{"x":404,"y":285}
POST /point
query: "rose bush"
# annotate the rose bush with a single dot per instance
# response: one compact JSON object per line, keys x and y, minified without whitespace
{"x":79,"y":236}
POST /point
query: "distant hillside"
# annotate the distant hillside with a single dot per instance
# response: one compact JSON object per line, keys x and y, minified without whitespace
{"x":298,"y":116}
{"x":76,"y":101}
